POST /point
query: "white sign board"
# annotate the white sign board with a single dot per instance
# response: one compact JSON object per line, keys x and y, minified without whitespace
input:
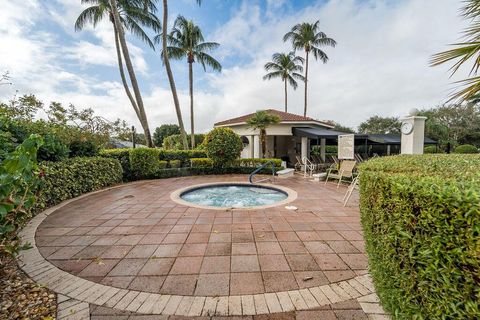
{"x":346,"y":143}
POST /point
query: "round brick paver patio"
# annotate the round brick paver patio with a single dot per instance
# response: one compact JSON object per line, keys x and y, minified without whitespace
{"x":136,"y":242}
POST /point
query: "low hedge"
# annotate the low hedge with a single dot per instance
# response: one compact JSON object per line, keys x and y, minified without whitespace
{"x":73,"y":177}
{"x":466,"y":148}
{"x":183,"y":155}
{"x":123,"y":156}
{"x":201,"y":163}
{"x":144,"y":162}
{"x":421,"y":222}
{"x":255,"y":162}
{"x":175,"y":163}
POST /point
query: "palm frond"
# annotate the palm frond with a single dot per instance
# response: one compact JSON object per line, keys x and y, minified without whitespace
{"x":207,"y":60}
{"x":319,"y":55}
{"x":463,"y":52}
{"x":136,"y":30}
{"x":273,"y":75}
{"x":206,"y":46}
{"x":90,"y":15}
{"x":175,"y":53}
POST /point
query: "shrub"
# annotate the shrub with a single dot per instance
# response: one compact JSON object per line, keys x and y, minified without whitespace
{"x":466,"y":148}
{"x":175,"y":163}
{"x":183,"y":155}
{"x":123,"y":156}
{"x":432,"y":149}
{"x":18,"y":184}
{"x":255,"y":162}
{"x":201,"y":163}
{"x":144,"y":162}
{"x":70,"y":178}
{"x":52,"y":149}
{"x":421,"y":222}
{"x":83,"y":148}
{"x":162,"y":164}
{"x":223,"y":146}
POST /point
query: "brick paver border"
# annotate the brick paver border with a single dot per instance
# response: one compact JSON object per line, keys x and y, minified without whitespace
{"x":83,"y":291}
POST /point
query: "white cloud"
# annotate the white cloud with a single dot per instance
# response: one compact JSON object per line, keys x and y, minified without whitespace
{"x":380,"y":65}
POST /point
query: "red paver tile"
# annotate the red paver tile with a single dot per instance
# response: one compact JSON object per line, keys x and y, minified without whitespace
{"x":65,"y":253}
{"x":291,"y":247}
{"x":213,"y":285}
{"x":279,"y":281}
{"x":246,"y":283}
{"x":351,"y":235}
{"x":198,"y":237}
{"x":308,"y":279}
{"x":264,"y":236}
{"x":302,"y":262}
{"x":243,"y":248}
{"x":245,"y":263}
{"x":339,"y":275}
{"x":203,"y":228}
{"x":269,"y":248}
{"x":273,"y":263}
{"x":142,"y":251}
{"x":218,"y":249}
{"x":98,"y":268}
{"x":157,"y":267}
{"x":128,"y":267}
{"x":350,"y":315}
{"x":287,"y":236}
{"x":220,"y":237}
{"x":172,"y":238}
{"x":107,"y":240}
{"x":179,"y":284}
{"x":193,"y":249}
{"x":129,"y":240}
{"x":242,"y":237}
{"x":317,"y":314}
{"x":329,"y":235}
{"x":116,"y":252}
{"x":152,"y":238}
{"x":71,"y":266}
{"x":356,"y":261}
{"x":167,"y":250}
{"x":186,"y":265}
{"x":318,"y":247}
{"x":342,"y":247}
{"x":308,"y":236}
{"x":117,"y":282}
{"x":330,"y":261}
{"x":184,"y":228}
{"x":215,"y":264}
{"x":147,"y":283}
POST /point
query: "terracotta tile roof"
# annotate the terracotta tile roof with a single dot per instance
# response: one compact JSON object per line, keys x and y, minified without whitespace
{"x":284,"y":116}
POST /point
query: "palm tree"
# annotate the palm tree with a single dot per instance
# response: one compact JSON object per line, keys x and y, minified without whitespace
{"x":307,"y":36}
{"x":286,"y":67}
{"x":131,"y":15}
{"x":463,"y":52}
{"x":186,"y":41}
{"x":261,"y":120}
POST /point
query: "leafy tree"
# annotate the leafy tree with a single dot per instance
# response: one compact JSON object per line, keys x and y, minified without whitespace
{"x":307,"y":37}
{"x":465,"y":50}
{"x":186,"y":41}
{"x":223,"y":146}
{"x":453,"y":123}
{"x":174,"y":142}
{"x":164,"y":131}
{"x":23,"y":108}
{"x":286,"y":67}
{"x":341,"y":128}
{"x":380,"y":125}
{"x":130,"y":15}
{"x":261,"y":120}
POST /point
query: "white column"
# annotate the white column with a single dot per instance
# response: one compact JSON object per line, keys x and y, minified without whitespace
{"x":388,"y":150}
{"x":251,"y":146}
{"x":413,"y":134}
{"x":322,"y":148}
{"x":256,"y":147}
{"x":304,"y":147}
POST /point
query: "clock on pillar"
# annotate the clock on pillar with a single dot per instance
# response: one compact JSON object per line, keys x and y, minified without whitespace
{"x":413,"y":133}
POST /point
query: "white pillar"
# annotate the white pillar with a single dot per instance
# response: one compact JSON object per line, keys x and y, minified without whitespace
{"x":388,"y":150}
{"x":413,"y":134}
{"x":322,"y":148}
{"x":256,"y":147}
{"x":304,"y":147}
{"x":251,"y":146}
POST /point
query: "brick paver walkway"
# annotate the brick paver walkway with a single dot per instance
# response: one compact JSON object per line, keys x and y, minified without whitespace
{"x":136,"y":238}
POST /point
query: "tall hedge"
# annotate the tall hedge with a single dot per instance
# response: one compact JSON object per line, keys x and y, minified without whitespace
{"x":123,"y":156}
{"x":73,"y":177}
{"x":144,"y":162}
{"x":421,"y":221}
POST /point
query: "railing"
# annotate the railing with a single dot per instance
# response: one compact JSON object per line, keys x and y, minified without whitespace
{"x":308,"y":166}
{"x":250,"y":177}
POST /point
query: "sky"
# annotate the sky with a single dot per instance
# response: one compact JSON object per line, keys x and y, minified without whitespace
{"x":380,"y":65}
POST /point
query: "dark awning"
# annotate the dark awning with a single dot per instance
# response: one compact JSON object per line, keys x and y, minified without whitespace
{"x":318,"y":133}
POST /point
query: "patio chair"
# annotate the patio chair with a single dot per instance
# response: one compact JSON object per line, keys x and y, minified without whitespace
{"x":321,"y":165}
{"x":358,"y":158}
{"x":299,"y":163}
{"x":345,"y":170}
{"x":350,"y":189}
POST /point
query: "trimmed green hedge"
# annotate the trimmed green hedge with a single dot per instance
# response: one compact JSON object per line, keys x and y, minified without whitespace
{"x":144,"y":162}
{"x":255,"y":162}
{"x":421,"y":221}
{"x":123,"y":156}
{"x":466,"y":148}
{"x":201,"y":163}
{"x":73,"y":177}
{"x":183,"y":155}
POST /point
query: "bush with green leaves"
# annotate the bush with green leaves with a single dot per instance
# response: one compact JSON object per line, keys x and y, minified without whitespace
{"x":162,"y":164}
{"x":174,"y":142}
{"x":201,"y":163}
{"x":83,"y":148}
{"x":52,"y":149}
{"x":144,"y":162}
{"x":255,"y":162}
{"x":73,"y":177}
{"x":18,"y":185}
{"x":175,"y":163}
{"x":466,"y":148}
{"x":123,"y":156}
{"x":421,"y":222}
{"x":432,"y":149}
{"x":223,"y":146}
{"x":183,"y":155}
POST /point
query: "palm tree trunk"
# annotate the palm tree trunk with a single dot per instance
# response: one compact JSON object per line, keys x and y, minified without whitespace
{"x":122,"y":74}
{"x":285,"y":94}
{"x":131,"y":72}
{"x":171,"y":80}
{"x":192,"y":119}
{"x":306,"y":85}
